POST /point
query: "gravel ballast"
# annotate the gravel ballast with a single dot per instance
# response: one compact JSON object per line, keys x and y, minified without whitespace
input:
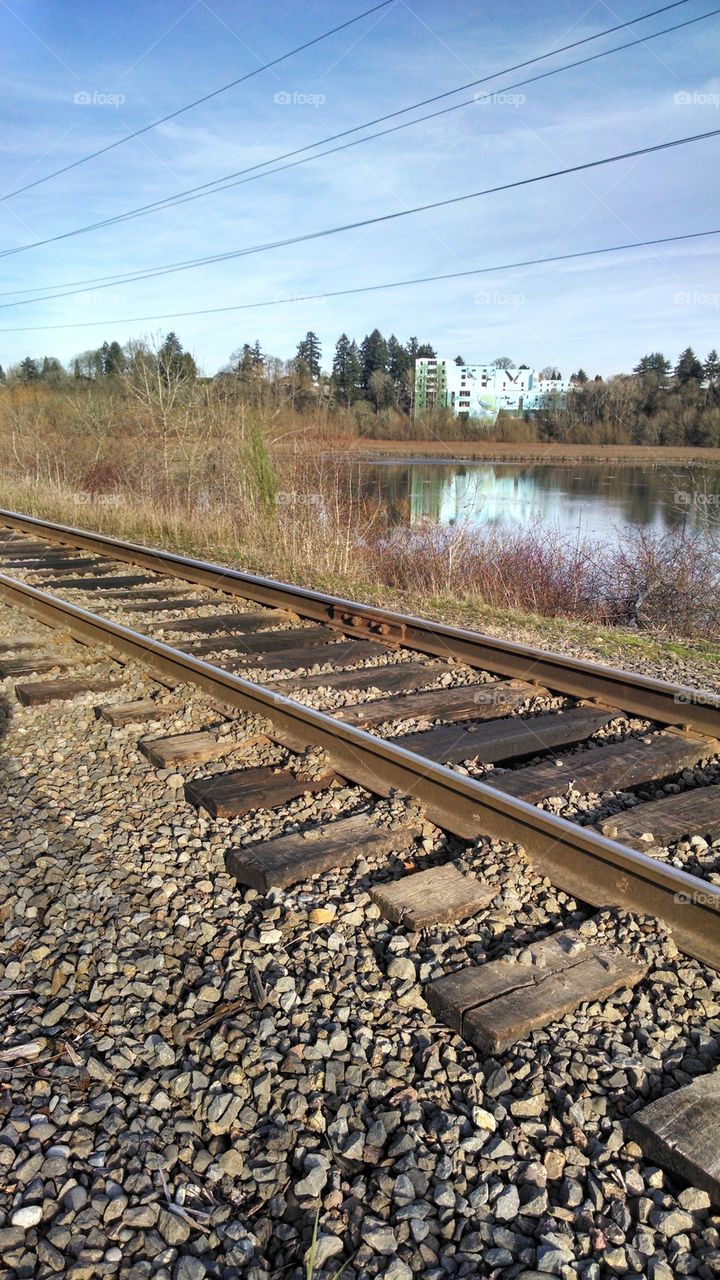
{"x":193,"y":1076}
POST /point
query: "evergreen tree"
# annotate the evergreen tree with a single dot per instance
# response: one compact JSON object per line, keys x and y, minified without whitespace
{"x":51,"y":370}
{"x":426,"y":352}
{"x":174,"y":362}
{"x":113,"y":359}
{"x":346,"y":370}
{"x":654,"y":367}
{"x":2,"y":375}
{"x":459,"y":360}
{"x":308,"y":354}
{"x":711,"y":370}
{"x":399,"y":360}
{"x":688,"y":368}
{"x":373,"y":356}
{"x":28,"y":370}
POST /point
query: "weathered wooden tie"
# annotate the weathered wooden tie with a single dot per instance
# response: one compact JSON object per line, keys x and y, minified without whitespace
{"x":343,"y":654}
{"x":64,"y":564}
{"x":262,"y":641}
{"x":659,"y":823}
{"x":286,"y":860}
{"x":26,"y":666}
{"x":241,"y":623}
{"x":101,"y":583}
{"x":21,"y":642}
{"x":509,"y":739}
{"x":227,"y":795}
{"x":161,"y":606}
{"x":33,"y":694}
{"x":160,"y":591}
{"x":471,"y":702}
{"x":185,"y":748}
{"x":496,"y":1004}
{"x":439,"y":895}
{"x":613,"y":768}
{"x":681,"y":1133}
{"x":391,"y":679}
{"x":122,"y":713}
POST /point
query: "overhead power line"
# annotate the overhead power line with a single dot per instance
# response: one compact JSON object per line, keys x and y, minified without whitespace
{"x":238,"y":177}
{"x":376,"y":288}
{"x":172,"y":115}
{"x":170,"y":269}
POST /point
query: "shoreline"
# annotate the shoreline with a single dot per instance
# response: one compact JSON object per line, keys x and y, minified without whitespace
{"x":687,"y":658}
{"x":549,"y":453}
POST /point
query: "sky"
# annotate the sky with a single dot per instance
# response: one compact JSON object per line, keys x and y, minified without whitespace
{"x":81,"y":75}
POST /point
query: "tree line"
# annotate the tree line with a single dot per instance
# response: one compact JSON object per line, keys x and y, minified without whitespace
{"x":377,"y":369}
{"x":657,"y":403}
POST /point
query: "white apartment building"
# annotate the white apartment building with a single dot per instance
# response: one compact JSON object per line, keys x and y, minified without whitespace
{"x":481,"y":390}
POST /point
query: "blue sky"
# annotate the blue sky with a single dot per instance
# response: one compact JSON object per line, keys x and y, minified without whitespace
{"x":139,"y":62}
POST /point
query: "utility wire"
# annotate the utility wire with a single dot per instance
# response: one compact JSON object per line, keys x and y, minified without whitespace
{"x":237,"y":178}
{"x":198,"y":101}
{"x":172,"y":268}
{"x":375,"y":288}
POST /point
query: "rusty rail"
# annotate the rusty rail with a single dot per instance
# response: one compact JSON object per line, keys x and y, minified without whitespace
{"x":576,"y":859}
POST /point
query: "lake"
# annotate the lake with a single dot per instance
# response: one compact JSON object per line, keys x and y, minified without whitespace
{"x":601,"y":501}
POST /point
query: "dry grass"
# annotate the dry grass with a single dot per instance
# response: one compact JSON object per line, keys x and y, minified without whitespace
{"x":192,"y":468}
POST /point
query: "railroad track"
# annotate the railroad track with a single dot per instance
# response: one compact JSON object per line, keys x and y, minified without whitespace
{"x":485,"y":736}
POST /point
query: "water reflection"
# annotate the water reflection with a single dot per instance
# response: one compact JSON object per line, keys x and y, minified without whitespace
{"x":591,"y":499}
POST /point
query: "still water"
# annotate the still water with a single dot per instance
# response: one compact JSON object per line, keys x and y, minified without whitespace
{"x":596,"y":500}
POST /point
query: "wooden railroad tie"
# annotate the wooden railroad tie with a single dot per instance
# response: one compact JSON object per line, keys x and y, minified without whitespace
{"x":228,"y":795}
{"x":26,"y":666}
{"x":160,"y":606}
{"x":496,"y":1004}
{"x":121,"y":713}
{"x":65,"y":565}
{"x":186,"y":748}
{"x":41,"y":691}
{"x":102,"y":583}
{"x":263,"y":641}
{"x":286,"y":860}
{"x":343,"y":654}
{"x":471,"y":702}
{"x":20,"y":642}
{"x":240,"y":622}
{"x":439,"y":895}
{"x":509,"y":739}
{"x":613,"y":768}
{"x":389,"y":679}
{"x":659,"y":823}
{"x":681,"y":1131}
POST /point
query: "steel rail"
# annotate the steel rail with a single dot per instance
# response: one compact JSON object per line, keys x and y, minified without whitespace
{"x":576,"y":859}
{"x":641,"y":695}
